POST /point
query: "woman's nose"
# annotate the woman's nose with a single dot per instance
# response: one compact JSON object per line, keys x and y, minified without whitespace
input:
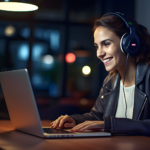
{"x":100,"y":52}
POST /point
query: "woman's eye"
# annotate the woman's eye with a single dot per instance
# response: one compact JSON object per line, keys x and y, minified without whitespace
{"x":96,"y":47}
{"x":107,"y":43}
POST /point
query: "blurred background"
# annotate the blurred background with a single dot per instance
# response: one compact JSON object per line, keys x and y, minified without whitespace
{"x":55,"y":44}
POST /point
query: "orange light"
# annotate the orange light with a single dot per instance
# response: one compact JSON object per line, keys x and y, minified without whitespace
{"x":70,"y":58}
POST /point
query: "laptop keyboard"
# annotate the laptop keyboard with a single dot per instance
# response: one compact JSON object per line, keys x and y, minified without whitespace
{"x":49,"y":130}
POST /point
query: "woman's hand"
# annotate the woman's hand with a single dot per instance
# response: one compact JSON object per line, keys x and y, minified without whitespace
{"x":89,"y":125}
{"x":63,"y":122}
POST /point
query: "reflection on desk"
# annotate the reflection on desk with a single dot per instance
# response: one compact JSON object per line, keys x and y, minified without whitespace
{"x":15,"y":140}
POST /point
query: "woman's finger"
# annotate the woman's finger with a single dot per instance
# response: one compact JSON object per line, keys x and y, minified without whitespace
{"x":66,"y":119}
{"x":88,"y":125}
{"x":51,"y":124}
{"x":82,"y":125}
{"x":77,"y":127}
{"x":56,"y":123}
{"x":69,"y":125}
{"x":62,"y":121}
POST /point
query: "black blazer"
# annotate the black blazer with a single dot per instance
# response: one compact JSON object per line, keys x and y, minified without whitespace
{"x":106,"y":105}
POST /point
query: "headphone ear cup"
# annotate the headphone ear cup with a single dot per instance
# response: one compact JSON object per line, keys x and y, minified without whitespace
{"x":123,"y":42}
{"x":129,"y":43}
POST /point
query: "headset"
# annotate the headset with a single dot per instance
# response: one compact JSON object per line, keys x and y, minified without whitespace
{"x":129,"y":42}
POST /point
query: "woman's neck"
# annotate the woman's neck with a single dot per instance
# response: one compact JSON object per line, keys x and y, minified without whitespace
{"x":130,"y":73}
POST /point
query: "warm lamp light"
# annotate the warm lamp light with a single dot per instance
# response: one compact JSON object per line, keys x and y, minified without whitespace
{"x":17,"y":6}
{"x":9,"y":30}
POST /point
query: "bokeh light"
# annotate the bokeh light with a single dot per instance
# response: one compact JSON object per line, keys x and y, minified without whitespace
{"x":9,"y":30}
{"x":48,"y":59}
{"x":23,"y":52}
{"x":86,"y":70}
{"x":70,"y":58}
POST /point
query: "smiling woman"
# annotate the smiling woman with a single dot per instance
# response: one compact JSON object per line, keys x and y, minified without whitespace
{"x":123,"y":105}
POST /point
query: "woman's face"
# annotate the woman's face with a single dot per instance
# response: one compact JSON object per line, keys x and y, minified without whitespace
{"x":107,"y":44}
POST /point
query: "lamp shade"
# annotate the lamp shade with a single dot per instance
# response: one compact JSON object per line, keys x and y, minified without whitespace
{"x":18,"y":5}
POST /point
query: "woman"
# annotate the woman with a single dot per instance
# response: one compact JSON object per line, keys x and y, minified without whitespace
{"x":123,"y":105}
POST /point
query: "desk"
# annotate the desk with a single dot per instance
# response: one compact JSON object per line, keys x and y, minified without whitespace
{"x":14,"y":140}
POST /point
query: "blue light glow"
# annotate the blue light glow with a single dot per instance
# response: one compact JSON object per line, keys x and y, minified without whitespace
{"x":25,"y":33}
{"x":54,"y":40}
{"x":52,"y":36}
{"x":23,"y":52}
{"x":37,"y":80}
{"x":40,"y":82}
{"x":37,"y":52}
{"x":53,"y":91}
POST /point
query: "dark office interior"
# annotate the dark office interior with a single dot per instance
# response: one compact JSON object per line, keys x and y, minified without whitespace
{"x":55,"y":44}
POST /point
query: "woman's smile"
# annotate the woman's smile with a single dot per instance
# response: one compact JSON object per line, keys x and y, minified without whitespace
{"x":107,"y":61}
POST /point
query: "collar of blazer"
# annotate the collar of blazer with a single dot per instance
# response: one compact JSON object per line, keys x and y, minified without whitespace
{"x":112,"y":80}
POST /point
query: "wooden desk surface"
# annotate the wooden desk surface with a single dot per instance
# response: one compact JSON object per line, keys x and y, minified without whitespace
{"x":14,"y":140}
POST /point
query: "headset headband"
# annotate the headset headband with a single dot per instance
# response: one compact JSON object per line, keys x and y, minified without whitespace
{"x":126,"y":20}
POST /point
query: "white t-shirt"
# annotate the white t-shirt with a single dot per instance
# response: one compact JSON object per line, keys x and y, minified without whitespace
{"x":121,"y":108}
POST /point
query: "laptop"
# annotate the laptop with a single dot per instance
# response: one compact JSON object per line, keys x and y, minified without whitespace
{"x":23,"y":110}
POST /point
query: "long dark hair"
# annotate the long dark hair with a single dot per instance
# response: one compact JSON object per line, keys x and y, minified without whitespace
{"x":118,"y":26}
